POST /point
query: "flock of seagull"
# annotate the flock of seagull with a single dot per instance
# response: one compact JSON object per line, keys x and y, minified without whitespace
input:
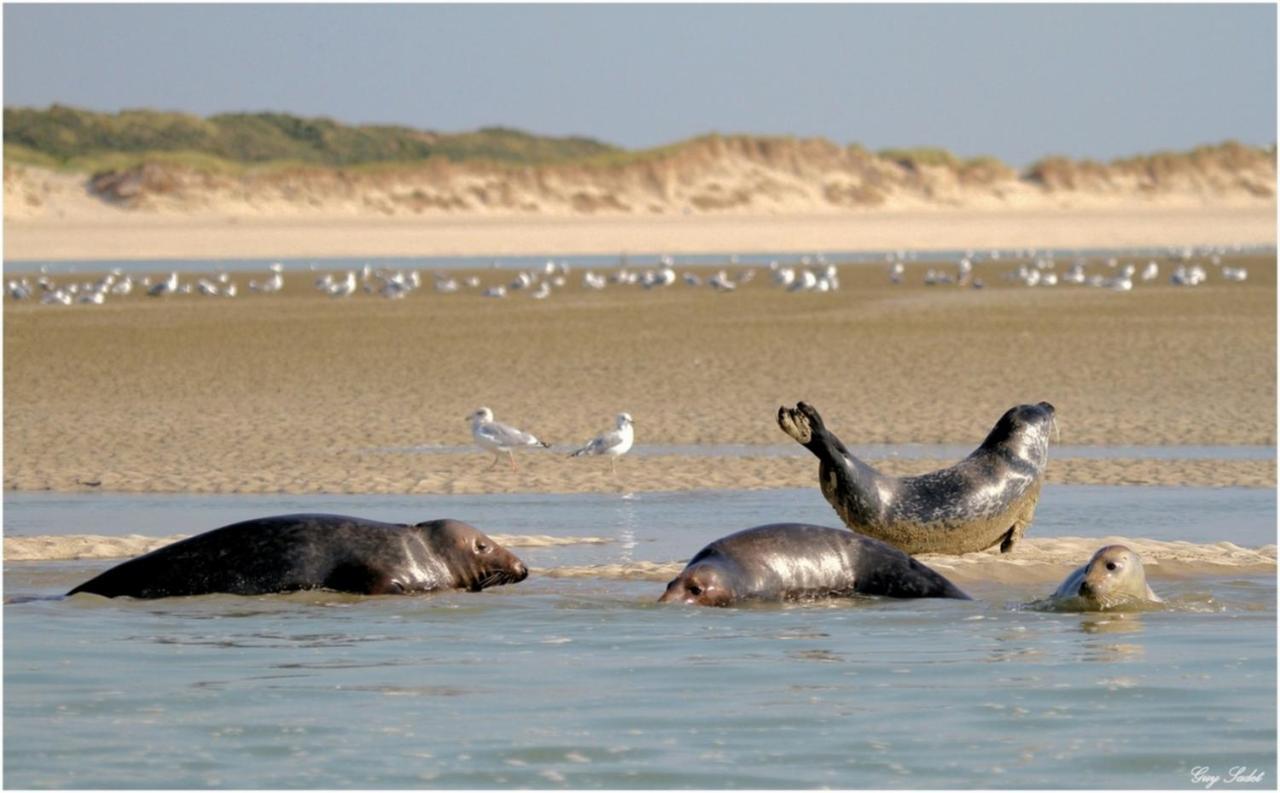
{"x":1042,"y":271}
{"x":498,"y":438}
{"x":808,"y":274}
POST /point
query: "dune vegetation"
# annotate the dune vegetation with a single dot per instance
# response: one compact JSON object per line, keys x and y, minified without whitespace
{"x":245,"y":163}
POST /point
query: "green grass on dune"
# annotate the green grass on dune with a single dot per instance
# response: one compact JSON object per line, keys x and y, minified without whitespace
{"x":71,"y":139}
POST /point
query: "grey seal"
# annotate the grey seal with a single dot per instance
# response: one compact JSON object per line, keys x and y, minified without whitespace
{"x":1112,"y":577}
{"x":796,"y":561}
{"x":986,"y":499}
{"x":286,"y":553}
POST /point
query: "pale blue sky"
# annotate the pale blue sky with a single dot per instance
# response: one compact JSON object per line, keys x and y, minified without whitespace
{"x":1016,"y":81}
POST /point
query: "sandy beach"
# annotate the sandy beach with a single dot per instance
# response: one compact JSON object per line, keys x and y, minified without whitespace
{"x":300,"y":393}
{"x":88,"y":229}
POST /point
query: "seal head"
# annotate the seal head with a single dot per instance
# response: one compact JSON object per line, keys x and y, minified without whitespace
{"x":475,"y":561}
{"x":1113,"y":576}
{"x":704,"y":583}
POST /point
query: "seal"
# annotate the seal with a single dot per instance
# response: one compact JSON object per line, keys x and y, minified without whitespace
{"x":986,"y":499}
{"x":1112,"y":577}
{"x":286,"y":553}
{"x":797,"y":561}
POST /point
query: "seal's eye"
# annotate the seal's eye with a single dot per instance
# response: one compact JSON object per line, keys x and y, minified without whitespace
{"x":695,"y":590}
{"x":1111,"y":565}
{"x":482,"y":546}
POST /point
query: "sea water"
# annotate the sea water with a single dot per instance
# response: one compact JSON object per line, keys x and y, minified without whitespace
{"x":577,"y":262}
{"x":587,"y":682}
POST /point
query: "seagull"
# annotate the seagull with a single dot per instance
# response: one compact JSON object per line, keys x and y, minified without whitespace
{"x":165,"y":287}
{"x":615,"y":442}
{"x":344,"y":288}
{"x":496,"y":437}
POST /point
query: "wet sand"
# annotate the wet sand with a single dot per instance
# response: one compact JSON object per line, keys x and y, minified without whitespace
{"x":300,"y":393}
{"x":1035,"y":559}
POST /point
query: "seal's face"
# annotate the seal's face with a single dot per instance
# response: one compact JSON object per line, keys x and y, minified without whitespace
{"x":1113,"y":574}
{"x":1024,"y":431}
{"x":475,"y":559}
{"x":699,"y":584}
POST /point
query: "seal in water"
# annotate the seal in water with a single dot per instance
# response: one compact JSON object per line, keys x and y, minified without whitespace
{"x":795,"y":561}
{"x":291,"y":552}
{"x":1113,"y":576}
{"x":988,"y":498}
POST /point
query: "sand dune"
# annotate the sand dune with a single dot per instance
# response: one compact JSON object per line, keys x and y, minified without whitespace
{"x":734,"y":193}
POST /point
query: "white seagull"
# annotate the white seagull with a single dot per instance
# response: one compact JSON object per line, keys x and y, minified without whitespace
{"x":615,"y":442}
{"x":496,"y":437}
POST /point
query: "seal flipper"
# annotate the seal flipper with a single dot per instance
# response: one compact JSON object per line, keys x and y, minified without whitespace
{"x":848,"y":484}
{"x":361,"y":579}
{"x":1012,"y":536}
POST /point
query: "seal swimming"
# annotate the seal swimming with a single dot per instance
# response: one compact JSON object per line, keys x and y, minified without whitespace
{"x":986,"y":499}
{"x":1112,"y":577}
{"x":286,"y":553}
{"x":796,"y":561}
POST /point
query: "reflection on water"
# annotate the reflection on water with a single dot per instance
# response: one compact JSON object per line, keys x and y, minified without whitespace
{"x":627,"y":521}
{"x":1112,"y":623}
{"x":889,"y":451}
{"x":642,"y":260}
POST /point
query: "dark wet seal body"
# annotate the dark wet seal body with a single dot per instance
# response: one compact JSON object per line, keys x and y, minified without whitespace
{"x":794,"y":561}
{"x":986,"y":499}
{"x":1113,"y":576}
{"x":286,"y":553}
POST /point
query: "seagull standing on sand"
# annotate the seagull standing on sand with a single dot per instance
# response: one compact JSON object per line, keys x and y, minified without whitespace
{"x":496,"y":437}
{"x":615,"y":443}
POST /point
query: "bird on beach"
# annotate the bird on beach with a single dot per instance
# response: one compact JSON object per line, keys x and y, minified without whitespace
{"x":615,"y":442}
{"x":497,"y":437}
{"x":165,"y":287}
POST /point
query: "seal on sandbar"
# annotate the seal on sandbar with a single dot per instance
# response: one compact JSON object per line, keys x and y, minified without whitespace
{"x":796,"y":561}
{"x":1112,"y":577}
{"x":986,"y":499}
{"x":286,"y":553}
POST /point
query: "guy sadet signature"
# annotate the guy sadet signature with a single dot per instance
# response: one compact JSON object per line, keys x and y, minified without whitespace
{"x":1204,"y":775}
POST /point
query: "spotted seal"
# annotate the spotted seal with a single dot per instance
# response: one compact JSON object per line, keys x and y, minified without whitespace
{"x":286,"y":553}
{"x":986,"y":499}
{"x":796,"y":561}
{"x":1113,"y":576}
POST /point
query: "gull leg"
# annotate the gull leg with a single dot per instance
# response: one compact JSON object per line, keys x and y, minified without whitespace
{"x":512,"y":458}
{"x":613,"y":465}
{"x":493,"y":464}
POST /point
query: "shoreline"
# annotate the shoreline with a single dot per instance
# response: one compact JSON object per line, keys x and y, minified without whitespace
{"x":465,"y":474}
{"x":1035,"y":559}
{"x":113,"y":234}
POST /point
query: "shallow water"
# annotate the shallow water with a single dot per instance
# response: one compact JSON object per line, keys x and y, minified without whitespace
{"x":577,"y":262}
{"x":905,"y":451}
{"x":585,"y":682}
